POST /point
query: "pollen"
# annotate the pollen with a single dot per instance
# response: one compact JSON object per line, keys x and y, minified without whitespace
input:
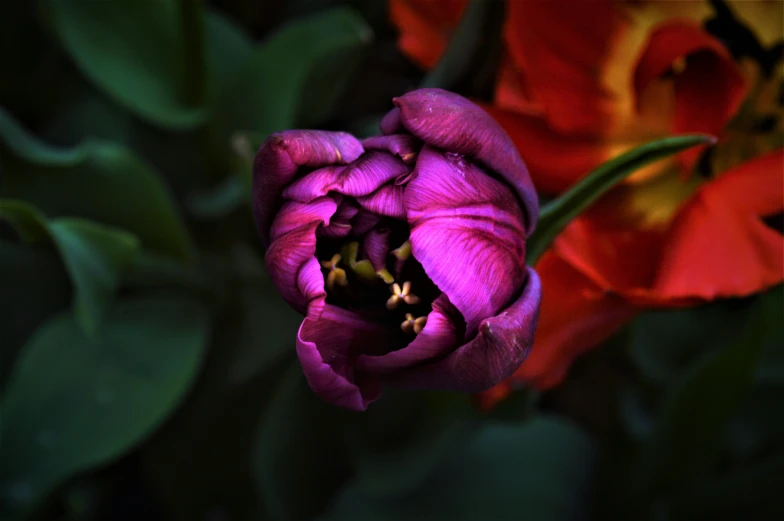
{"x":399,"y":294}
{"x":415,"y":325}
{"x":335,"y":275}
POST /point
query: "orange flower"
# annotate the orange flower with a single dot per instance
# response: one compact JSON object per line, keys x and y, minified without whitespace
{"x":586,"y":80}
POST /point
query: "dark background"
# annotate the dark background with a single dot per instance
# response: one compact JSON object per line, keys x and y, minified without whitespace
{"x":147,"y":362}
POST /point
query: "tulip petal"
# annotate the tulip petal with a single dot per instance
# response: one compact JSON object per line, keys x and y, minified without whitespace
{"x":361,"y":177}
{"x":280,"y":158}
{"x":390,"y":123}
{"x":293,"y":234}
{"x":501,"y":345}
{"x":387,"y":200}
{"x":363,"y":222}
{"x":327,"y":346}
{"x":402,"y":145}
{"x":440,"y":336}
{"x":452,"y":123}
{"x":376,"y":246}
{"x":424,"y":27}
{"x":340,"y":223}
{"x":719,"y":245}
{"x":708,"y":91}
{"x":576,"y":316}
{"x":467,"y":232}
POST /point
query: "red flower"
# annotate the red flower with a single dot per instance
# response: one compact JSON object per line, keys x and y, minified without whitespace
{"x":586,"y":80}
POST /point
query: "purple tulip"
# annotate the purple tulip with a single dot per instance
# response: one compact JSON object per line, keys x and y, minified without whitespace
{"x":405,"y":252}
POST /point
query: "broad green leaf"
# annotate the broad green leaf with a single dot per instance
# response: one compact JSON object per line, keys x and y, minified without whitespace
{"x":557,"y":214}
{"x":294,"y":78}
{"x":97,"y":180}
{"x":74,"y":402}
{"x":692,"y":421}
{"x":266,"y":329}
{"x":147,"y":55}
{"x":403,"y":438}
{"x":300,"y":457}
{"x":95,"y":256}
{"x":540,"y":469}
{"x":34,"y":287}
{"x":467,"y":53}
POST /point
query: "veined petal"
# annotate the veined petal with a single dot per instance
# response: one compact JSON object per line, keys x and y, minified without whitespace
{"x":361,"y":177}
{"x":363,"y":222}
{"x":709,"y":89}
{"x":376,"y":246}
{"x":327,"y":346}
{"x":387,"y":200}
{"x":282,"y":155}
{"x":293,"y":246}
{"x":390,"y":123}
{"x":467,"y":231}
{"x":719,"y":245}
{"x":402,"y":145}
{"x":452,"y":123}
{"x":340,"y":223}
{"x":442,"y":333}
{"x":501,"y":345}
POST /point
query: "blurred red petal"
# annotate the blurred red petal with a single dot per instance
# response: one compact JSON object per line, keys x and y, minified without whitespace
{"x":709,"y":89}
{"x":719,"y":245}
{"x":425,"y":26}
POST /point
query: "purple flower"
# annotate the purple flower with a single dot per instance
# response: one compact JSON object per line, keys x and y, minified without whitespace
{"x":405,"y":252}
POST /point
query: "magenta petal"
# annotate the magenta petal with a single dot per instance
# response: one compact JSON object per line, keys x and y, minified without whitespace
{"x":451,"y":122}
{"x":340,"y":223}
{"x":361,"y":177}
{"x":467,"y":231}
{"x":440,"y":336}
{"x":402,"y":145}
{"x":500,"y":347}
{"x":363,"y":222}
{"x":326,"y":347}
{"x":387,"y":200}
{"x":376,"y":246}
{"x":390,"y":123}
{"x":293,"y":245}
{"x":282,"y":155}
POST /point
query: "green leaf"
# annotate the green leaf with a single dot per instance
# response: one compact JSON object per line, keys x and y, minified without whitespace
{"x":35,"y":286}
{"x":97,"y":180}
{"x":556,"y":215}
{"x":75,"y":402}
{"x":691,"y":424}
{"x":300,"y":457}
{"x":147,"y":55}
{"x":95,"y":256}
{"x":540,"y":469}
{"x":297,"y":75}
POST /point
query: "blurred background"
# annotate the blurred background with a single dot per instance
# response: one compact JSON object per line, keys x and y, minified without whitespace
{"x":147,"y":364}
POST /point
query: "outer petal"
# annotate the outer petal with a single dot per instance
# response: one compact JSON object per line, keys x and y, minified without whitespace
{"x":282,"y":155}
{"x":293,"y":247}
{"x":502,"y":344}
{"x":708,"y":91}
{"x":451,"y":122}
{"x":362,"y":177}
{"x":719,"y":245}
{"x":442,"y":333}
{"x":467,"y":232}
{"x":326,"y":347}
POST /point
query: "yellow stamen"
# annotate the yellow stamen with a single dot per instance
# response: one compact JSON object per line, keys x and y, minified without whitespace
{"x":385,"y":276}
{"x":335,"y":274}
{"x":399,"y":294}
{"x":415,"y":325}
